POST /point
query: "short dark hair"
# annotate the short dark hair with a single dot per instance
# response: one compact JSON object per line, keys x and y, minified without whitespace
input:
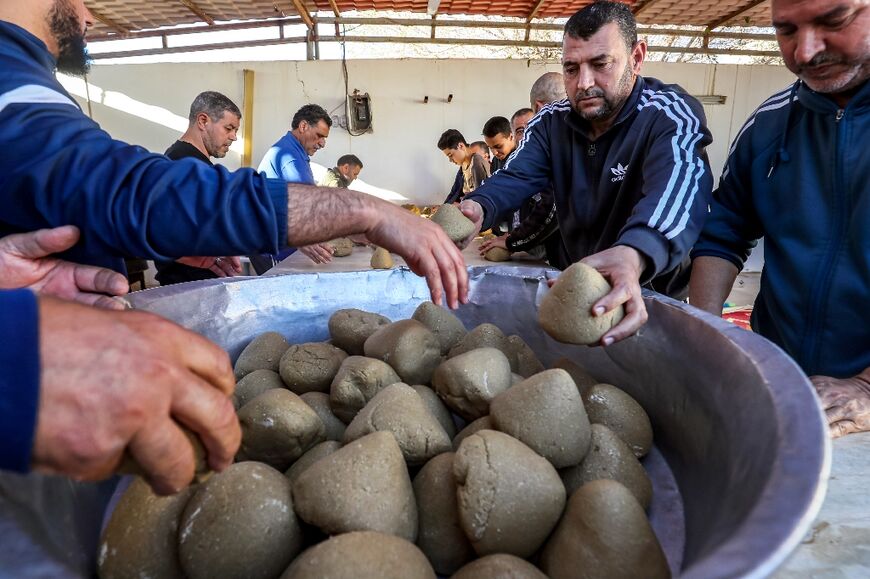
{"x":214,"y":104}
{"x":349,"y":160}
{"x":311,"y":114}
{"x":480,"y":144}
{"x":496,"y":126}
{"x":521,"y":112}
{"x":450,"y":139}
{"x":589,"y":20}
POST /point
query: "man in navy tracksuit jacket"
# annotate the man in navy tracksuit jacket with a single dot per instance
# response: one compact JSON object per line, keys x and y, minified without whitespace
{"x":798,"y":175}
{"x":58,"y":167}
{"x":632,"y":186}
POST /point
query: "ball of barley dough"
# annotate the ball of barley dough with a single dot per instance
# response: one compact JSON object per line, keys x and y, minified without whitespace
{"x":313,"y":454}
{"x":528,"y":363}
{"x":361,"y":555}
{"x":437,"y":408}
{"x":499,"y":566}
{"x":277,"y":428}
{"x":442,"y":322}
{"x":614,"y":408}
{"x":409,"y":347}
{"x":382,"y":259}
{"x":482,"y":423}
{"x":263,"y":353}
{"x":358,"y":380}
{"x":583,"y":379}
{"x":454,"y":223}
{"x":319,"y":403}
{"x":468,"y":382}
{"x":497,"y":254}
{"x":609,"y":458}
{"x":254,"y":384}
{"x":510,"y":498}
{"x":310,"y":367}
{"x":546,"y":413}
{"x":566,"y":310}
{"x":341,"y":247}
{"x":440,"y":534}
{"x":350,"y":328}
{"x":363,"y":486}
{"x":398,"y":409}
{"x":240,"y":523}
{"x":606,"y":533}
{"x":486,"y":336}
{"x":141,"y":538}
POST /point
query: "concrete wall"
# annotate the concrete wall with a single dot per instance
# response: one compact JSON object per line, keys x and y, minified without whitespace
{"x":148,"y":104}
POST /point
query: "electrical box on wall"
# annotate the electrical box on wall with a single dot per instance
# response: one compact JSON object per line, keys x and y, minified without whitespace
{"x":359,"y":112}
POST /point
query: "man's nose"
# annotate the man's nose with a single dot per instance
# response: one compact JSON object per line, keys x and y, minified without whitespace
{"x":810,"y":42}
{"x":585,"y":79}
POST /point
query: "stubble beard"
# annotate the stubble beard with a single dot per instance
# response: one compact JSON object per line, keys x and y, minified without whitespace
{"x":64,"y":24}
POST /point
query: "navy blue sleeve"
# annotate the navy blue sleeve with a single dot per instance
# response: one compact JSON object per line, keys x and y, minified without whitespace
{"x":64,"y":169}
{"x":733,"y":227}
{"x":19,"y":377}
{"x":677,"y":181}
{"x":526,"y":172}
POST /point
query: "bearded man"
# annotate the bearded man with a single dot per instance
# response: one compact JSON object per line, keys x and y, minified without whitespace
{"x":798,"y":175}
{"x":626,"y":158}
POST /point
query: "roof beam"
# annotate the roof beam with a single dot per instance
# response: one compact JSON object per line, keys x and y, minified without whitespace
{"x":335,"y":9}
{"x":200,"y":13}
{"x":304,"y":14}
{"x":734,"y":14}
{"x":109,"y":22}
{"x":534,"y":10}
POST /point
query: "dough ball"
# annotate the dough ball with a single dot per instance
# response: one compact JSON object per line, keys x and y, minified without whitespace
{"x":499,"y":566}
{"x":608,"y":405}
{"x":509,"y":497}
{"x":319,"y":403}
{"x":382,"y":259}
{"x":442,"y":322}
{"x":277,"y":428}
{"x":254,"y":384}
{"x":545,"y":412}
{"x":398,"y":409}
{"x":454,"y":223}
{"x":363,"y":486}
{"x":240,"y":523}
{"x":468,"y":382}
{"x":581,"y":377}
{"x":263,"y":353}
{"x":566,"y":310}
{"x":606,"y":533}
{"x":350,"y":328}
{"x":528,"y":363}
{"x":361,"y":555}
{"x":437,"y":408}
{"x":310,"y":367}
{"x":486,"y":336}
{"x":341,"y":247}
{"x":497,"y":254}
{"x":409,"y":347}
{"x":314,"y":454}
{"x":482,"y":423}
{"x":357,"y":382}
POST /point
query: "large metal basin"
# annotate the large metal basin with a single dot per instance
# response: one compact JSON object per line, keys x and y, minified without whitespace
{"x":735,"y":419}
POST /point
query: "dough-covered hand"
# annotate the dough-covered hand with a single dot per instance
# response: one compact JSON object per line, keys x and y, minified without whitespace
{"x":426,"y":249}
{"x":225,"y":266}
{"x":500,"y":241}
{"x":622,"y":267}
{"x":846,"y":402}
{"x":474,"y":212}
{"x":318,"y":252}
{"x":112,"y":381}
{"x":26,"y":262}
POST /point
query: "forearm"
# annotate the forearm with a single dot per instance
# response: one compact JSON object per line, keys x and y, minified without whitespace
{"x":316,"y":214}
{"x":711,"y":282}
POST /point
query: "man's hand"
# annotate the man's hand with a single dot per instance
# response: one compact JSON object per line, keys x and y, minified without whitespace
{"x":227,"y":266}
{"x":500,"y":241}
{"x":319,"y":252}
{"x":425,"y":248}
{"x":112,"y":381}
{"x":846,"y":402}
{"x":474,"y":212}
{"x":25,"y":262}
{"x":622,"y":267}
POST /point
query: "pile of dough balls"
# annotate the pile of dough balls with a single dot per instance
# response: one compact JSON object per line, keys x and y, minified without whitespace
{"x":351,"y":466}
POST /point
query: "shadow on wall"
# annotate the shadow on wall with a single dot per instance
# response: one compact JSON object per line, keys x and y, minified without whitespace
{"x":121,"y":102}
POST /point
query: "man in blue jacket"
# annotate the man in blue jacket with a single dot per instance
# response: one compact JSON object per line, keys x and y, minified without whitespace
{"x":59,"y":167}
{"x":798,"y":174}
{"x":626,"y":160}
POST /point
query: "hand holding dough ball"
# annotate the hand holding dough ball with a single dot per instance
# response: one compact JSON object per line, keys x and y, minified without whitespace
{"x":566,"y":310}
{"x":454,"y":223}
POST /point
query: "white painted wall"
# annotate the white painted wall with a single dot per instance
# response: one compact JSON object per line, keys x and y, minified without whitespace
{"x":401,"y":154}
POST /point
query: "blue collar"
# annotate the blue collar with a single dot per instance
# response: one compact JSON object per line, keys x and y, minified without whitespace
{"x":15,"y":40}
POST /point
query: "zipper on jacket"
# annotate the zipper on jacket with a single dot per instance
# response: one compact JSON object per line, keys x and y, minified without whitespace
{"x":840,"y":113}
{"x":590,"y":150}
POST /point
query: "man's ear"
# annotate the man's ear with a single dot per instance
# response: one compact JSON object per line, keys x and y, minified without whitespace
{"x":638,"y":55}
{"x":202,"y":120}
